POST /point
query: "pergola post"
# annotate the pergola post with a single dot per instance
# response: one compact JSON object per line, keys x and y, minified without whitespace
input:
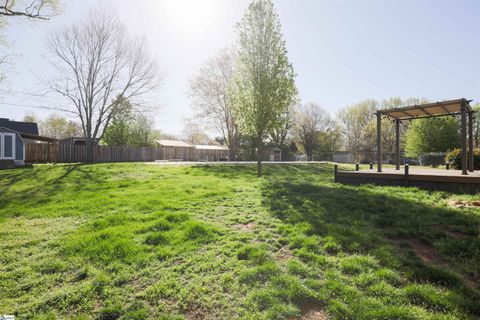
{"x":464,"y":138}
{"x":397,"y":144}
{"x":470,"y":141}
{"x":379,"y":141}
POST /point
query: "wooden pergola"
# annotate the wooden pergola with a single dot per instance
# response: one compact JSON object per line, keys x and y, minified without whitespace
{"x":429,"y":110}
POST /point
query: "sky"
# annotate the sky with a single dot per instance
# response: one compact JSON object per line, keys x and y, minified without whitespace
{"x":343,"y":51}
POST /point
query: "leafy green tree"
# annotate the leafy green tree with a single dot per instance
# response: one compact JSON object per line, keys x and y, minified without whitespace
{"x":142,"y":132}
{"x":432,"y":135}
{"x":263,"y":84}
{"x":119,"y":131}
{"x":55,"y":126}
{"x":59,"y":127}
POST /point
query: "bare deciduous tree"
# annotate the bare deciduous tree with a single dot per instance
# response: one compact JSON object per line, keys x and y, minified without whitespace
{"x":209,"y":91}
{"x":359,"y":126}
{"x":310,"y":121}
{"x":95,"y":62}
{"x":193,"y":133}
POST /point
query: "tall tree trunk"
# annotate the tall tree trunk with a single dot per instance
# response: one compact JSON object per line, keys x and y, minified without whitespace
{"x":259,"y":158}
{"x":89,"y":145}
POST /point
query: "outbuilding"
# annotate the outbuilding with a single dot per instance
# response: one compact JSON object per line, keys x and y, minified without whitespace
{"x":176,"y":150}
{"x":12,"y":145}
{"x":211,"y":153}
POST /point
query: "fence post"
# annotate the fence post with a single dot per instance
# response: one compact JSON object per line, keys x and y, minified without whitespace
{"x":371,"y":165}
{"x":357,"y":167}
{"x":406,"y":174}
{"x":335,"y":170}
{"x":447,"y":165}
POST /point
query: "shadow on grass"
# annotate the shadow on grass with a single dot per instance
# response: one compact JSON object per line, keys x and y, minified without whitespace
{"x":366,"y":219}
{"x":44,"y":182}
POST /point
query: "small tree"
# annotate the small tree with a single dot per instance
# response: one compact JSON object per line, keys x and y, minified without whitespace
{"x":310,"y":121}
{"x":263,"y":86}
{"x":59,"y":127}
{"x":142,"y":131}
{"x":119,"y":131}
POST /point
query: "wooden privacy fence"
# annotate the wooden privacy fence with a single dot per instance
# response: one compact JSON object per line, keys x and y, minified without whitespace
{"x":47,"y":153}
{"x":44,"y":153}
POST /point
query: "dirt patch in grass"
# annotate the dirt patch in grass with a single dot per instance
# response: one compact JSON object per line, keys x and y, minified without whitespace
{"x":429,"y":255}
{"x":245,"y":227}
{"x":312,"y":312}
{"x":195,"y":314}
{"x":424,"y":251}
{"x":448,"y":232}
{"x":284,"y":254}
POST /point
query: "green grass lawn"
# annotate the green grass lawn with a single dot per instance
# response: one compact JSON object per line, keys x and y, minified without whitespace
{"x":136,"y":241}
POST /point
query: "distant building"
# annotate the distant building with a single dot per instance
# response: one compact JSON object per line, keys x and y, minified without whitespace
{"x":13,"y":137}
{"x":176,"y":150}
{"x":211,"y":153}
{"x":182,"y":150}
{"x":76,"y":141}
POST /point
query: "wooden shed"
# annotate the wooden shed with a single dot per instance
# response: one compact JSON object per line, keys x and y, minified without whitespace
{"x":176,"y":150}
{"x":211,"y":153}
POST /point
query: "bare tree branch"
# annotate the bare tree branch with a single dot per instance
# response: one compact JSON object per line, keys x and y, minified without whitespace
{"x":32,"y":9}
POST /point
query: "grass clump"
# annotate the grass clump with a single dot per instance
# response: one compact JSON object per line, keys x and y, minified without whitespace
{"x":156,"y":238}
{"x":199,"y":232}
{"x":111,"y":312}
{"x":259,"y":274}
{"x":257,"y":254}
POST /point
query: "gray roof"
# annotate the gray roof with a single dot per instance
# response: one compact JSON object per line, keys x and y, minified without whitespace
{"x":174,"y":143}
{"x":20,"y":126}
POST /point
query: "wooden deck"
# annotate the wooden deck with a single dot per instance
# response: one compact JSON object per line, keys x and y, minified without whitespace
{"x":433,"y":179}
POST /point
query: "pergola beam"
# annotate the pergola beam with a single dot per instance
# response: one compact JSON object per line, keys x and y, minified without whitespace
{"x":397,"y":144}
{"x":379,"y":142}
{"x":464,"y":139}
{"x":470,"y":141}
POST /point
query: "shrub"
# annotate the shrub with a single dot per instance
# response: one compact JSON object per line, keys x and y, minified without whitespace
{"x":455,"y":158}
{"x":433,"y":159}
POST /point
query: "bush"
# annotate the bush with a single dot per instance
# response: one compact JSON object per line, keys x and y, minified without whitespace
{"x":432,"y":159}
{"x":455,"y":158}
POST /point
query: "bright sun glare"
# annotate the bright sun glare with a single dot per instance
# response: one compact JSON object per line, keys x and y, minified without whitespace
{"x":191,"y":17}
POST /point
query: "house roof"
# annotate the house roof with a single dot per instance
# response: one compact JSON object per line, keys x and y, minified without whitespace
{"x":20,"y":126}
{"x":210,"y":147}
{"x":427,"y":110}
{"x":37,"y":137}
{"x":174,"y":143}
